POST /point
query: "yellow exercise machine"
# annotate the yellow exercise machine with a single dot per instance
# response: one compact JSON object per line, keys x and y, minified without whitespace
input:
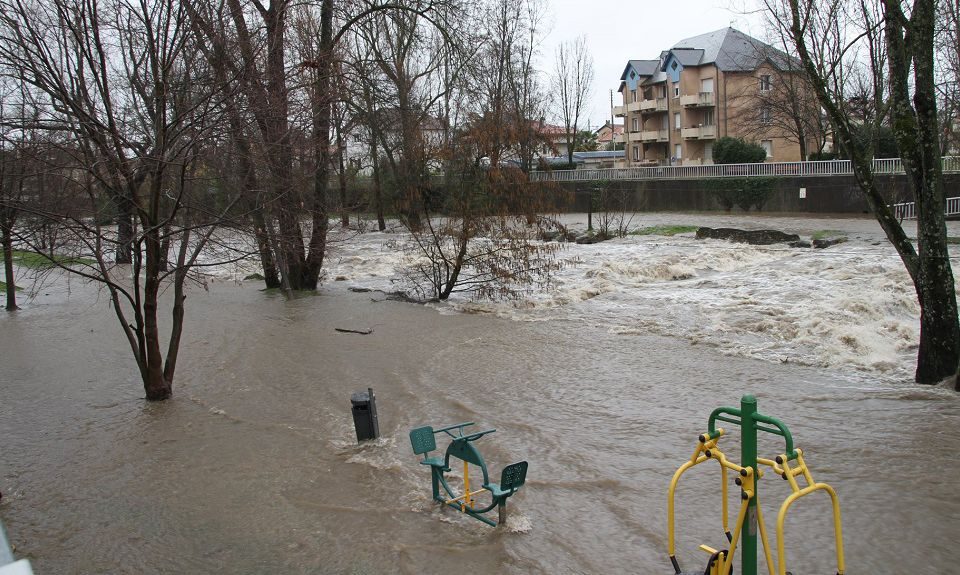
{"x":748,"y":473}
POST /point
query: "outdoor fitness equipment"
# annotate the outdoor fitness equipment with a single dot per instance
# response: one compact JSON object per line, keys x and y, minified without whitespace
{"x":461,"y":447}
{"x":748,"y":473}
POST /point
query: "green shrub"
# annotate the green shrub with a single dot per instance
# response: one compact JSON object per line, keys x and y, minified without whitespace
{"x":745,"y":193}
{"x":729,"y":150}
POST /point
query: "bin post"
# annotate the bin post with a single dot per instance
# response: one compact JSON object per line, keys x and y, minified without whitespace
{"x":748,"y":455}
{"x":364,"y":409}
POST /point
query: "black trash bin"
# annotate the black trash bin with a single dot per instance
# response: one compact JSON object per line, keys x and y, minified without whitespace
{"x":364,"y":407}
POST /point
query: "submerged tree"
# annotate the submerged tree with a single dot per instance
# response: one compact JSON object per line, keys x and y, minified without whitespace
{"x":477,"y":238}
{"x":121,"y":83}
{"x":826,"y":34}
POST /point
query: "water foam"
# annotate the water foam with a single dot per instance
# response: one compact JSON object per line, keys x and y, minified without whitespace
{"x":851,"y":307}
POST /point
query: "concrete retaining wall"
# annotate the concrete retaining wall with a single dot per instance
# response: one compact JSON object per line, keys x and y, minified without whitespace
{"x":824,"y":195}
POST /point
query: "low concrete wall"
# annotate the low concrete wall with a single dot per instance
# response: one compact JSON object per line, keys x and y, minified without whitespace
{"x":824,"y":195}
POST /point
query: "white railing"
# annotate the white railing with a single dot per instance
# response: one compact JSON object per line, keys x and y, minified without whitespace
{"x":951,"y":164}
{"x":908,"y":210}
{"x":953,"y":206}
{"x":905,"y":211}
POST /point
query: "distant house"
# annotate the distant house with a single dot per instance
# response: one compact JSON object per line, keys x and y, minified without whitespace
{"x":608,"y":134}
{"x":430,"y":136}
{"x":554,"y":138}
{"x":676,"y":106}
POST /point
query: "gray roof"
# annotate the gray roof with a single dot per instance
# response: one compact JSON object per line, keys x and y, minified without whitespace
{"x":688,"y":56}
{"x":643,"y":67}
{"x":729,"y":49}
{"x":660,"y":76}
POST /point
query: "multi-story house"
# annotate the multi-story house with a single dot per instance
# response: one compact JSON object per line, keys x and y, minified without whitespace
{"x":705,"y":87}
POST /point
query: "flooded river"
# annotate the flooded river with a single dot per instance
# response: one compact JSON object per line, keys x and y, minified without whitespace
{"x":602,"y":385}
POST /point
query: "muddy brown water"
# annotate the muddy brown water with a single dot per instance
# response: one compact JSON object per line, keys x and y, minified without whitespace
{"x":253,"y":466}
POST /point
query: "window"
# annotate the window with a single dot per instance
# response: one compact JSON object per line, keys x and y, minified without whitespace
{"x":674,"y":65}
{"x":636,"y":153}
{"x":706,"y":85}
{"x":664,"y":122}
{"x":677,"y":152}
{"x":633,"y":74}
{"x":635,"y":125}
{"x":708,"y":117}
{"x":676,"y":92}
{"x":708,"y":153}
{"x":768,"y":146}
{"x":765,"y":83}
{"x":676,"y":120}
{"x":661,"y":91}
{"x":633,"y":95}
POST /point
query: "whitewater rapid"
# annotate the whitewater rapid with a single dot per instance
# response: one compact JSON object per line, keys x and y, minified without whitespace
{"x":850,"y":307}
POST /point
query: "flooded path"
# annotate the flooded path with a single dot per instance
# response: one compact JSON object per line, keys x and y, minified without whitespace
{"x":253,"y":466}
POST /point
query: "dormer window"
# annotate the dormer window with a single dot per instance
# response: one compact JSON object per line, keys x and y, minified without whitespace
{"x":674,"y":65}
{"x":633,"y":75}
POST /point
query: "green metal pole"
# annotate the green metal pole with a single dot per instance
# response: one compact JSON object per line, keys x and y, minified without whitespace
{"x":748,"y":454}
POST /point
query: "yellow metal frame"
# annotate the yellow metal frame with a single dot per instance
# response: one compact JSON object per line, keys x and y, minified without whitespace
{"x":790,"y":474}
{"x":722,"y":562}
{"x":466,"y":500}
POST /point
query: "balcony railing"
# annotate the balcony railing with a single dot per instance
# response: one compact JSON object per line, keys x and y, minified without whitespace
{"x":699,"y":133}
{"x":655,"y":105}
{"x":701,"y":99}
{"x":619,"y":111}
{"x":634,"y":106}
{"x":656,"y":135}
{"x":618,"y":138}
{"x":635,"y":137}
{"x":890,"y":166}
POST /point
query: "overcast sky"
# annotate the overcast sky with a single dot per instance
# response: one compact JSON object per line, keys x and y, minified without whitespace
{"x":621,"y":30}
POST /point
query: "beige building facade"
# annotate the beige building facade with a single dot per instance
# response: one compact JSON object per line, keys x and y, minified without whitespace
{"x":702,"y":89}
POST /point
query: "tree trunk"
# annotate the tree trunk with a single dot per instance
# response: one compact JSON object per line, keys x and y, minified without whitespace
{"x":125,"y":231}
{"x":6,"y":225}
{"x":155,"y":384}
{"x":342,"y":180}
{"x":377,"y":191}
{"x":321,"y":107}
{"x":916,"y":131}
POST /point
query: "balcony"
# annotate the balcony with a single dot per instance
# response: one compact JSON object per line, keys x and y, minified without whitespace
{"x":618,"y":139}
{"x":634,"y":106}
{"x":634,"y":137}
{"x":655,"y":135}
{"x":699,"y":133}
{"x":619,"y":111}
{"x":703,"y":99}
{"x":657,"y":105}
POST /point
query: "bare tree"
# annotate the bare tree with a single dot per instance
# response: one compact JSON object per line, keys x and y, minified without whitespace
{"x":825,"y":33}
{"x":120,"y":79}
{"x":572,"y":82}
